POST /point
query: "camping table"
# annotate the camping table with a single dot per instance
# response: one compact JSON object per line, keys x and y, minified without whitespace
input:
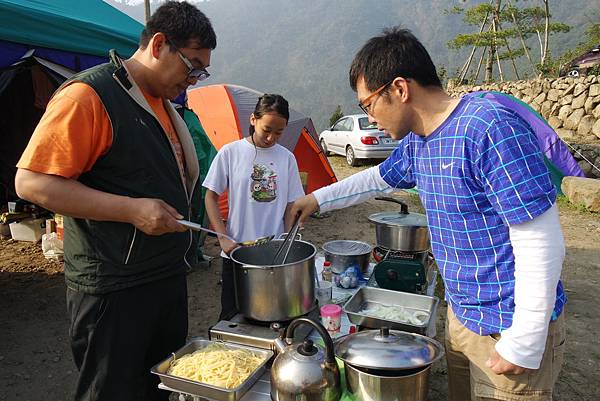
{"x":261,"y":390}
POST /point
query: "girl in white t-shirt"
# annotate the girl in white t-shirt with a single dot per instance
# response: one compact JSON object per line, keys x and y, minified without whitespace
{"x":262,"y":181}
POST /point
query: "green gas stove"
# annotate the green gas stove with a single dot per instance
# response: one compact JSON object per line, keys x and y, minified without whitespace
{"x":402,"y":271}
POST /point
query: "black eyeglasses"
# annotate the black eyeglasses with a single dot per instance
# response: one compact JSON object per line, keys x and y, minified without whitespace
{"x":199,"y":74}
{"x":365,"y":107}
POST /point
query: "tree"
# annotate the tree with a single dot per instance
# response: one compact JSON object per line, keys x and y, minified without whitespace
{"x":337,"y":114}
{"x":501,"y":25}
{"x":535,"y":21}
{"x":590,"y":40}
{"x":490,"y":36}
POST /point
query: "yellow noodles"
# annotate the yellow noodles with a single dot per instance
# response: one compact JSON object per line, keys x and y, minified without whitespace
{"x":216,"y":365}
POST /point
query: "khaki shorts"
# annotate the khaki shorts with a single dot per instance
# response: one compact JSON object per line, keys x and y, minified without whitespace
{"x":470,"y":379}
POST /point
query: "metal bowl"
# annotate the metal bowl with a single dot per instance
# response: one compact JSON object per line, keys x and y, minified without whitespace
{"x":345,"y":253}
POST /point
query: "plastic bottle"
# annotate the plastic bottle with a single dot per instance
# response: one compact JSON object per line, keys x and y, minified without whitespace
{"x":327,"y":274}
{"x":331,"y":318}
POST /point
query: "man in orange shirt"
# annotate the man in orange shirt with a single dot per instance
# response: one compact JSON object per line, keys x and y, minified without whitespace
{"x":114,"y":157}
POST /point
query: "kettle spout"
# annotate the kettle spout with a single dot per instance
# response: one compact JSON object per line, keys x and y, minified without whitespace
{"x":281,"y":345}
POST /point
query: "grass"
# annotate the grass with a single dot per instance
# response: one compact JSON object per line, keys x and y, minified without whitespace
{"x":563,"y":202}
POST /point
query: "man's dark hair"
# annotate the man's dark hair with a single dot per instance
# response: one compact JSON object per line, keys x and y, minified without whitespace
{"x":181,"y":22}
{"x":395,"y":53}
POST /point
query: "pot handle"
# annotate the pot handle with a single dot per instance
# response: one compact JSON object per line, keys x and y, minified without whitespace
{"x":403,"y":206}
{"x":298,"y":236}
{"x":289,"y":334}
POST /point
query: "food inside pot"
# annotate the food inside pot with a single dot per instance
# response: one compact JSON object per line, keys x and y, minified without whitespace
{"x":395,"y":313}
{"x":217,"y":365}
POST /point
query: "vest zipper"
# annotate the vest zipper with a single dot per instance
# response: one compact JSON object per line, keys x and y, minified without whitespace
{"x":187,"y":196}
{"x":131,"y":245}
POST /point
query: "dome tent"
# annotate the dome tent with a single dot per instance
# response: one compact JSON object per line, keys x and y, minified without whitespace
{"x":224,"y":112}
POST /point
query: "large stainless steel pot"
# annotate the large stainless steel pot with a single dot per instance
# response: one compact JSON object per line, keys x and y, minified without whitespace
{"x":386,"y":365}
{"x":269,"y":293}
{"x":379,"y":386}
{"x":401,"y":231}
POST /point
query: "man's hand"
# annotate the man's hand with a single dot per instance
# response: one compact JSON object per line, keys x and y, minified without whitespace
{"x":501,"y":366}
{"x":227,"y":245}
{"x":154,"y":216}
{"x":304,"y":206}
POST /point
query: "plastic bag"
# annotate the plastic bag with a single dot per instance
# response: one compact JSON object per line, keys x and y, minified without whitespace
{"x":52,"y":247}
{"x":349,"y":278}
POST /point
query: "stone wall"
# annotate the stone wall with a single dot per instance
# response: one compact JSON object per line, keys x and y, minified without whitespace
{"x":571,"y":106}
{"x":586,"y":155}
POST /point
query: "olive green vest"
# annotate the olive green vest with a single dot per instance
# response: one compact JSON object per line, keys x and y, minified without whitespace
{"x":104,"y":256}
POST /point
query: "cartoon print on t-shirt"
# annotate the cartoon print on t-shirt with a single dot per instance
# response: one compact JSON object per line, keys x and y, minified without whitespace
{"x":264,"y":183}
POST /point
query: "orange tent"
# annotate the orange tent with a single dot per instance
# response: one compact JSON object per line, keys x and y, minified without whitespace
{"x":224,"y":112}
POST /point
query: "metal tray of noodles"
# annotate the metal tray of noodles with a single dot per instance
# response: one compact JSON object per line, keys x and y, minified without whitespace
{"x":204,"y":390}
{"x":422,"y":306}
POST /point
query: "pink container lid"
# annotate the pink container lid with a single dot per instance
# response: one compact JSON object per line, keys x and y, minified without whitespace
{"x":331,"y":310}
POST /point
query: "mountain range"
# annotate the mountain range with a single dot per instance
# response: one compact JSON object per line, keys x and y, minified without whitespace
{"x":303,"y":49}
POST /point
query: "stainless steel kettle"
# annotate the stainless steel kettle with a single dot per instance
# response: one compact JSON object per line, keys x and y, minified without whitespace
{"x":305,"y":371}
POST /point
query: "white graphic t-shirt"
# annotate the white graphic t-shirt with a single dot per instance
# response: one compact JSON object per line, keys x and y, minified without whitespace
{"x":260,"y":183}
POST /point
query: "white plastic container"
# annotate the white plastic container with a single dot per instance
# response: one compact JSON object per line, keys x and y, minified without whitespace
{"x":28,"y":229}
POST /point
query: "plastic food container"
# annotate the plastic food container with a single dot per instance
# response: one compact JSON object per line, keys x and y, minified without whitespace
{"x":331,"y":317}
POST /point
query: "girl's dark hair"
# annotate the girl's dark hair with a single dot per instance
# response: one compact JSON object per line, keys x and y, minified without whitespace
{"x":270,"y":103}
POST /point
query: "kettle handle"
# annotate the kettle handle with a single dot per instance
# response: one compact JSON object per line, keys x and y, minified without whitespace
{"x":403,"y":206}
{"x":289,"y":335}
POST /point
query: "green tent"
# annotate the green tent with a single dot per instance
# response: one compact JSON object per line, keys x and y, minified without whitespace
{"x":205,"y":151}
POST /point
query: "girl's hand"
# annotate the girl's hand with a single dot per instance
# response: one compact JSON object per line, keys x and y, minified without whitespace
{"x":227,"y":245}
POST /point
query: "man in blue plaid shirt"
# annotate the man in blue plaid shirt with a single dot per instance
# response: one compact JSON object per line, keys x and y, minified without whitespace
{"x":493,"y":221}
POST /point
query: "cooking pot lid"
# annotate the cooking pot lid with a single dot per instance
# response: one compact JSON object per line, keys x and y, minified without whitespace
{"x":347,"y":247}
{"x":386,"y":349}
{"x":399,"y":219}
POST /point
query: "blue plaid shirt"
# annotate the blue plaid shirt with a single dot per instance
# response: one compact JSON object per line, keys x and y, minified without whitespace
{"x":478,"y":173}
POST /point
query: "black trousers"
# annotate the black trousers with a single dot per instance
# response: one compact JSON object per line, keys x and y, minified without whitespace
{"x":116,"y":338}
{"x":228,"y":306}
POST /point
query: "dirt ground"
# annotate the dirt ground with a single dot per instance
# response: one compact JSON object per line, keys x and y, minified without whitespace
{"x":36,"y":363}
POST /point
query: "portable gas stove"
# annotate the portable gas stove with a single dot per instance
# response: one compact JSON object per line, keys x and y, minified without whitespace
{"x":402,"y":270}
{"x":241,"y":330}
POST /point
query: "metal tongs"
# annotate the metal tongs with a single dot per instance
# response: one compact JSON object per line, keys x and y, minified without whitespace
{"x":287,"y":242}
{"x":198,"y":227}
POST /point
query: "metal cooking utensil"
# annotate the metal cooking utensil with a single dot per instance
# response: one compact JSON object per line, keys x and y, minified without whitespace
{"x":288,"y":242}
{"x":258,"y":241}
{"x":198,"y":227}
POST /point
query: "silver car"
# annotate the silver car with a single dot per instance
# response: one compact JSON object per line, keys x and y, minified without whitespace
{"x":354,"y":137}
